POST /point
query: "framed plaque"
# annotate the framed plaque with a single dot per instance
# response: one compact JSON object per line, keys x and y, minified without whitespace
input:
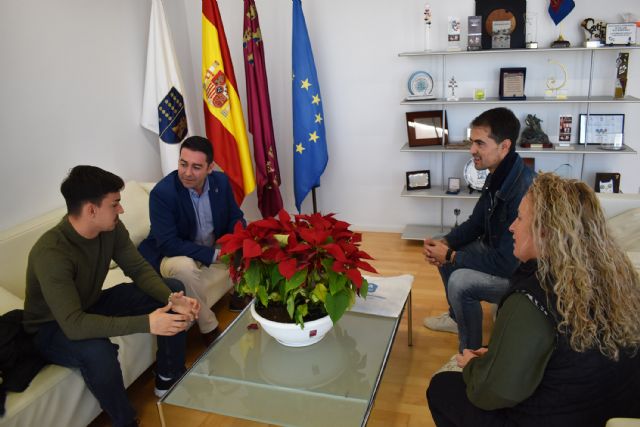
{"x":418,"y":180}
{"x":453,"y":186}
{"x":620,"y":34}
{"x":564,"y":134}
{"x":512,"y":83}
{"x":427,"y":128}
{"x":512,"y":11}
{"x":604,"y":129}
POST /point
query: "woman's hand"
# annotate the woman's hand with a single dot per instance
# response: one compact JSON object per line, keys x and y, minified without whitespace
{"x":463,"y":359}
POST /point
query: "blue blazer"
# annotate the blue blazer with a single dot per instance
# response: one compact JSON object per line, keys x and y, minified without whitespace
{"x":173,"y":219}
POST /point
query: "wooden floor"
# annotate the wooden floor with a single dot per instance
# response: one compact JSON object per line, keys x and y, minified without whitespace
{"x":401,"y":397}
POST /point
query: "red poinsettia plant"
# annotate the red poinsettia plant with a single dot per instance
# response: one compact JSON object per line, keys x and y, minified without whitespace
{"x":304,"y":263}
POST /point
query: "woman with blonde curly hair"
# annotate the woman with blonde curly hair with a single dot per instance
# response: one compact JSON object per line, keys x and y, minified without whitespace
{"x":564,"y":349}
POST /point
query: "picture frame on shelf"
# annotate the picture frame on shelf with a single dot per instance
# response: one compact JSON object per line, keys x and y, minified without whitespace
{"x":418,"y":180}
{"x":512,"y":81}
{"x":453,"y":185}
{"x":603,"y":129}
{"x":427,"y":128}
{"x":564,"y":129}
{"x":607,"y":182}
{"x":503,"y":10}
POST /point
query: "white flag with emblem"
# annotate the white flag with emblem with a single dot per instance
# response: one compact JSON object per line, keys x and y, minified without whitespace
{"x":163,"y":104}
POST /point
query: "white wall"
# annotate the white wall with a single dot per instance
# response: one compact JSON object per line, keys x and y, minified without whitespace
{"x":71,"y":86}
{"x":73,"y":71}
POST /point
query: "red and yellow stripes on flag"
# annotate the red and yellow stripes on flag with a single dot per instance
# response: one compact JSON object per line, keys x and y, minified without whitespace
{"x":223,"y":117}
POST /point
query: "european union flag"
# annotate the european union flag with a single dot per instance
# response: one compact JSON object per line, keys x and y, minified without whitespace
{"x":310,"y":155}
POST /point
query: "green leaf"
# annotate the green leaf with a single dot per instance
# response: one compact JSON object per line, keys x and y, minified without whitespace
{"x":275,"y":296}
{"x":291,"y":305}
{"x":337,"y":283}
{"x":337,"y":304}
{"x":296,"y":280}
{"x":253,"y":276}
{"x":274,"y":276}
{"x":283,"y":239}
{"x":262,"y":296}
{"x":301,"y":311}
{"x":364,"y":289}
{"x":320,"y":292}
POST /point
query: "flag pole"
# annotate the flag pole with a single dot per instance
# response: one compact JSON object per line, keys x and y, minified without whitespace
{"x":313,"y":195}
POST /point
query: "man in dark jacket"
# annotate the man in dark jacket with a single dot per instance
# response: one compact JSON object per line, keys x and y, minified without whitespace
{"x":190,"y":209}
{"x":476,"y":258}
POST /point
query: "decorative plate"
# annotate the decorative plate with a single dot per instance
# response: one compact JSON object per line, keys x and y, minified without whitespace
{"x":473,"y":177}
{"x":420,"y":84}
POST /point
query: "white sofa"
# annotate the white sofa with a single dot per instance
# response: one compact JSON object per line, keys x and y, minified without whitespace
{"x":58,"y":396}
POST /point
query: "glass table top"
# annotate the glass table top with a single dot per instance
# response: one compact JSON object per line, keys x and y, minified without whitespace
{"x":247,"y":374}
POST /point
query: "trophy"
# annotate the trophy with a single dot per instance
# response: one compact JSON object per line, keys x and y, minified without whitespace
{"x":427,"y":27}
{"x":453,"y":84}
{"x":554,"y":85}
{"x":594,"y":32}
{"x":531,"y":34}
{"x":622,"y":64}
{"x":453,"y":33}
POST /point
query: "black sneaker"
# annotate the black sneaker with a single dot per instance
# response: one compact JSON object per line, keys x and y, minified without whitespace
{"x":238,"y":303}
{"x":163,"y":386}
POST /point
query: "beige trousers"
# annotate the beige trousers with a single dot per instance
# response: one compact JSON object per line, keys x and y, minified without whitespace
{"x":206,"y":284}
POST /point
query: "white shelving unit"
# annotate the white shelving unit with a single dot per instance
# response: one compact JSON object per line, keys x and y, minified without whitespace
{"x":419,"y":232}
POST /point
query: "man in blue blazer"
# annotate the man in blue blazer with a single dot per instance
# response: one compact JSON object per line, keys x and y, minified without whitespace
{"x":190,"y":209}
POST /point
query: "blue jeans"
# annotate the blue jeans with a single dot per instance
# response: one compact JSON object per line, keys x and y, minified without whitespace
{"x":97,"y":358}
{"x":465,"y":288}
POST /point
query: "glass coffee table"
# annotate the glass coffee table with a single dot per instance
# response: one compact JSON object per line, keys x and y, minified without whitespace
{"x":247,"y":374}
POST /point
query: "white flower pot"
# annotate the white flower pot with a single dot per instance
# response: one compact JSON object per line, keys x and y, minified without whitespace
{"x":290,"y":334}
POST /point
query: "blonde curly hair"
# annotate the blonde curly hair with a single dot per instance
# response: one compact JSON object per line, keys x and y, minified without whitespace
{"x":597,"y":286}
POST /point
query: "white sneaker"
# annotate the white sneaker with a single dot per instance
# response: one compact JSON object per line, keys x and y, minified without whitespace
{"x":442,"y":323}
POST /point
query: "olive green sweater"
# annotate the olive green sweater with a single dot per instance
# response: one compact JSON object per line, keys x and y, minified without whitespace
{"x":65,"y":273}
{"x":521,"y":344}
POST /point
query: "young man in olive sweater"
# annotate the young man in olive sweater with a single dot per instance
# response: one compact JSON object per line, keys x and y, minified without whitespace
{"x":70,"y":314}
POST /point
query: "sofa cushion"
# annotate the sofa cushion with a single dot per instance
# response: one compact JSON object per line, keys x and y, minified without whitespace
{"x":135,"y":201}
{"x":9,"y":301}
{"x":625,"y":229}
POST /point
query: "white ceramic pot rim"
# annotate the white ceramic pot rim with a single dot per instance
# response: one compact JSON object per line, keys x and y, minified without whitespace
{"x":307,"y":325}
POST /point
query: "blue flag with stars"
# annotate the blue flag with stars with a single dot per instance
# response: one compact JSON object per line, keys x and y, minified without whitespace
{"x":310,"y":155}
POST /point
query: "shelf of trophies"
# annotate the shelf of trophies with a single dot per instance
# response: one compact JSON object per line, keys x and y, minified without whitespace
{"x":511,"y":51}
{"x":434,"y":136}
{"x":571,"y":149}
{"x":529,"y":100}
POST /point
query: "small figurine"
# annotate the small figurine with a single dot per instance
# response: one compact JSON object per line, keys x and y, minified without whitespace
{"x":453,"y":84}
{"x":456,"y":212}
{"x":427,"y":27}
{"x":533,"y":136}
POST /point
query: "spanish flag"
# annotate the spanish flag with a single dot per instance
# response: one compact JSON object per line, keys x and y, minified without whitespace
{"x":222,"y":110}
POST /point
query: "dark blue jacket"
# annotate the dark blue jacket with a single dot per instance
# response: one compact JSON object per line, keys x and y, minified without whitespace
{"x":173,"y":219}
{"x":490,"y":222}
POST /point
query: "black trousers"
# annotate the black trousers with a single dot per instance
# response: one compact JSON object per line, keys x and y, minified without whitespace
{"x":450,"y":406}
